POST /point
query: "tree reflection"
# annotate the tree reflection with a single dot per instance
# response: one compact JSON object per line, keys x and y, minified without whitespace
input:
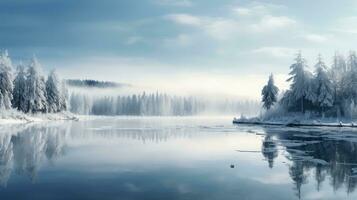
{"x":329,"y":153}
{"x":6,"y":156}
{"x":22,"y":150}
{"x":269,"y":150}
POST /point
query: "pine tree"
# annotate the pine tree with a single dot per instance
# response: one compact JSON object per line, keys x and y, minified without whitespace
{"x":269,"y":93}
{"x":337,"y":74}
{"x":349,"y":80}
{"x":352,"y":61}
{"x":19,"y":98}
{"x":63,"y":102}
{"x":53,"y":92}
{"x":35,"y":88}
{"x":299,"y":86}
{"x":324,"y":86}
{"x":310,"y":93}
{"x":6,"y":84}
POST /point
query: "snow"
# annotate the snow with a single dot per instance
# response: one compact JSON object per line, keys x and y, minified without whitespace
{"x":14,"y":117}
{"x":298,"y":119}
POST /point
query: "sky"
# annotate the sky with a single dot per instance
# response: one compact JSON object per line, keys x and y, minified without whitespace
{"x":210,"y":46}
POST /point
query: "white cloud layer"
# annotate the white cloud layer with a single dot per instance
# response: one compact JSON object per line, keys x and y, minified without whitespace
{"x":225,"y":28}
{"x":276,"y":52}
{"x":183,"y":3}
{"x":317,"y":38}
{"x":185,"y":19}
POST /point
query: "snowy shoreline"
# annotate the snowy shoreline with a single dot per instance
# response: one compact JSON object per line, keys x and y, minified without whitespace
{"x":330,"y":122}
{"x":15,"y":117}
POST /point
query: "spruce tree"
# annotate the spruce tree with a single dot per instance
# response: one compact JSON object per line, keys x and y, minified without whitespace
{"x":35,"y":88}
{"x":19,"y":98}
{"x":299,"y":86}
{"x":53,"y":92}
{"x":6,"y":84}
{"x":269,"y":93}
{"x":324,"y":87}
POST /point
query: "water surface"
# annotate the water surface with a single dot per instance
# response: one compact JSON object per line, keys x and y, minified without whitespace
{"x":175,"y":158}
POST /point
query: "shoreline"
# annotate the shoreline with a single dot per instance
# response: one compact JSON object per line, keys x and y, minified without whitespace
{"x":294,"y":124}
{"x":15,"y":117}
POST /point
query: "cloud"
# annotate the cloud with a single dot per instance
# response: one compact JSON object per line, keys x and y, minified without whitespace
{"x":182,"y":3}
{"x":316,"y":38}
{"x":133,"y":40}
{"x":277,"y":52}
{"x":218,"y":28}
{"x":256,"y":9}
{"x":251,"y":11}
{"x":346,"y":25}
{"x":271,"y":23}
{"x":225,"y":28}
{"x":181,"y":40}
{"x":185,"y":19}
{"x":228,"y":27}
{"x":222,"y":28}
{"x":243,"y":11}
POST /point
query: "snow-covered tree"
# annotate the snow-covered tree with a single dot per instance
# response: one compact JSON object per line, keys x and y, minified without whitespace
{"x":349,"y":80}
{"x":338,"y":67}
{"x":352,"y":61}
{"x":53,"y":91}
{"x":310,"y":94}
{"x":337,"y":74}
{"x":324,"y":92}
{"x":6,"y":85}
{"x":269,"y":93}
{"x":299,"y":86}
{"x":19,"y":98}
{"x":63,"y":102}
{"x":35,"y":88}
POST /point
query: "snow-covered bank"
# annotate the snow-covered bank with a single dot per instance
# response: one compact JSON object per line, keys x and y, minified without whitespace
{"x":13,"y":117}
{"x":298,"y":121}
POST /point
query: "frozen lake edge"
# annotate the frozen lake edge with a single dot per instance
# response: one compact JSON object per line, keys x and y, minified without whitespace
{"x":14,"y":117}
{"x":254,"y":121}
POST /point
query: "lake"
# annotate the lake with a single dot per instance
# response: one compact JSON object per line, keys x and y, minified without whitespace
{"x":175,"y":158}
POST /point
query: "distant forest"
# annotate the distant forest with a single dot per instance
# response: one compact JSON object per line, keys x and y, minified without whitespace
{"x":157,"y":104}
{"x":93,"y":83}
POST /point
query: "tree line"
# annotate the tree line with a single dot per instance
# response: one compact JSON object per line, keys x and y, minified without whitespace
{"x":156,"y":104}
{"x":330,"y":91}
{"x":27,"y":90}
{"x":93,"y":83}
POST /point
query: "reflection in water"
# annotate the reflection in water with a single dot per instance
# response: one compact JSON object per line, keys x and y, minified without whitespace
{"x":24,"y":148}
{"x":6,"y":156}
{"x":318,"y":152}
{"x":269,"y":150}
{"x":153,"y":151}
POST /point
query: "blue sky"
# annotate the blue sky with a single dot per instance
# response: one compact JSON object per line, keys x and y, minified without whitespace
{"x":216,"y":42}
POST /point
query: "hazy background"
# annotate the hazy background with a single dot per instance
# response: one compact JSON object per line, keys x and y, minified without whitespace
{"x":218,"y":47}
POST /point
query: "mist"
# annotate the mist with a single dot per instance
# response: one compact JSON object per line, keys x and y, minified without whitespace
{"x":133,"y":100}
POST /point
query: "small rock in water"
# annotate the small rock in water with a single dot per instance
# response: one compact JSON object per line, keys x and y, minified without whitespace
{"x":232,"y":166}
